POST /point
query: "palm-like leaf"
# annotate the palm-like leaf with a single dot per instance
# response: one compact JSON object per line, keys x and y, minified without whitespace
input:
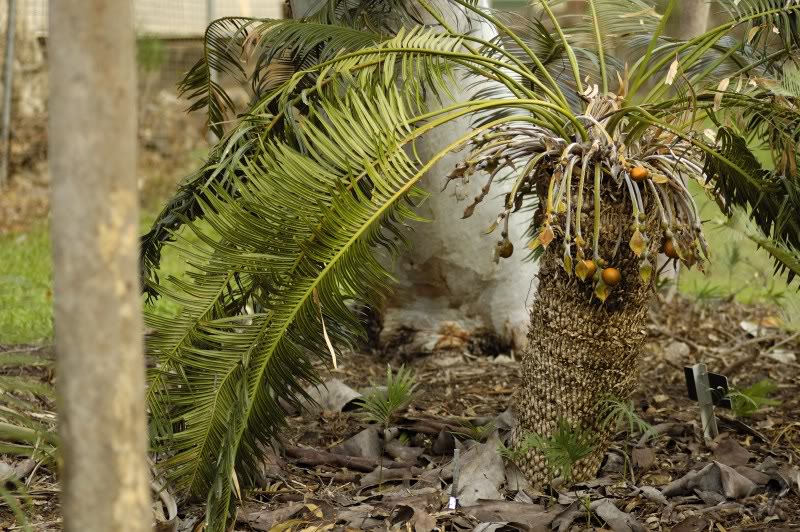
{"x":380,"y":405}
{"x":305,"y":218}
{"x":22,"y":433}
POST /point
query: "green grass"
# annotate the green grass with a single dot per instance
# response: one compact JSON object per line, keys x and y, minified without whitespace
{"x":26,"y":287}
{"x":26,"y":283}
{"x":738,"y":268}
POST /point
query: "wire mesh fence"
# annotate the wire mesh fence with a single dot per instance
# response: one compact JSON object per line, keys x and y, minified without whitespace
{"x":169,"y":31}
{"x":169,"y":42}
{"x":165,"y":18}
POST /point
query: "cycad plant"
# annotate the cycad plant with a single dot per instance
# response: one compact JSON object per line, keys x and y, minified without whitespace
{"x":381,"y":406}
{"x":311,"y":185}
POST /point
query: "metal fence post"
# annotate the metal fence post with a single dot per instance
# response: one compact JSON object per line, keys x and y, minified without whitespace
{"x":8,"y":83}
{"x":210,"y":14}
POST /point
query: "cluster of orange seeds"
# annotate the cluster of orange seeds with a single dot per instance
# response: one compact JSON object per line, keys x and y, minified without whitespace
{"x":564,"y":174}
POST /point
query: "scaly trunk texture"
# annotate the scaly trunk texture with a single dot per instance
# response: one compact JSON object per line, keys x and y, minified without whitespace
{"x":581,"y":351}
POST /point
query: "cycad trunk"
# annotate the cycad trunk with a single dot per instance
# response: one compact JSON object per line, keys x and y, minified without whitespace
{"x":581,"y":351}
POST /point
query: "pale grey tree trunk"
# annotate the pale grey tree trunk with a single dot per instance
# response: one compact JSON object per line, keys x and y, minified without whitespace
{"x":98,"y":325}
{"x":450,"y":290}
{"x":689,"y":19}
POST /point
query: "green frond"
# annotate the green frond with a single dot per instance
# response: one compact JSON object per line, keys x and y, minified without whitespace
{"x":422,"y":59}
{"x":305,"y":224}
{"x":622,"y":414}
{"x":24,"y":358}
{"x":23,"y":430}
{"x":250,"y":52}
{"x":787,"y":259}
{"x":567,"y":445}
{"x":770,"y":23}
{"x":301,"y":44}
{"x":381,"y":406}
{"x":771,"y":199}
{"x":615,"y":21}
{"x":789,"y":84}
{"x":225,"y":489}
{"x":224,"y":47}
{"x":747,"y":401}
{"x":537,"y":36}
{"x":476,"y":432}
{"x":382,"y":16}
{"x":730,"y":49}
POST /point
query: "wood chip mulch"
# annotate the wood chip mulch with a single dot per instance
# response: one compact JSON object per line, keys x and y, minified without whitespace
{"x":328,"y":476}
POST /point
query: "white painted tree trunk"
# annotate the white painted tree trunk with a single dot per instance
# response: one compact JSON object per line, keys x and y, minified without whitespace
{"x":98,"y":324}
{"x":450,"y":289}
{"x":689,"y":20}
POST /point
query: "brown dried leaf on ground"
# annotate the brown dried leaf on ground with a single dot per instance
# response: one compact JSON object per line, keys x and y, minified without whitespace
{"x":482,"y":473}
{"x":730,"y":453}
{"x":267,"y":519}
{"x":692,"y":523}
{"x":532,"y":516}
{"x":643,"y":458}
{"x":365,"y":444}
{"x":414,"y":517}
{"x":404,"y":453}
{"x":331,"y":396}
{"x":715,"y":477}
{"x":618,"y":520}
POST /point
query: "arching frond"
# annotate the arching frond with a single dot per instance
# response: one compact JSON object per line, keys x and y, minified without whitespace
{"x":730,"y":49}
{"x":223,"y":52}
{"x":787,"y":259}
{"x":425,"y":68}
{"x":295,"y":240}
{"x":770,"y":23}
{"x":772,"y":199}
{"x":614,"y":21}
{"x":536,"y":34}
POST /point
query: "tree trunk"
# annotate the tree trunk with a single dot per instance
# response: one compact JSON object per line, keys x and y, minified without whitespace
{"x":581,"y":351}
{"x":98,"y":325}
{"x":689,"y":19}
{"x":28,"y":113}
{"x":451,"y":293}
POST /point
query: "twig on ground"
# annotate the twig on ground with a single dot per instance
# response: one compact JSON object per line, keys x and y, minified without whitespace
{"x":315,"y":457}
{"x":738,"y":364}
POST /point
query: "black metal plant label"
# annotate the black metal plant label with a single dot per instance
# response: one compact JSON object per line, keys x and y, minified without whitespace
{"x":718,"y":385}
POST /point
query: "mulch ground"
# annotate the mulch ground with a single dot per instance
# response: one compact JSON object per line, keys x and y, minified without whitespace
{"x":170,"y":144}
{"x":329,"y":474}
